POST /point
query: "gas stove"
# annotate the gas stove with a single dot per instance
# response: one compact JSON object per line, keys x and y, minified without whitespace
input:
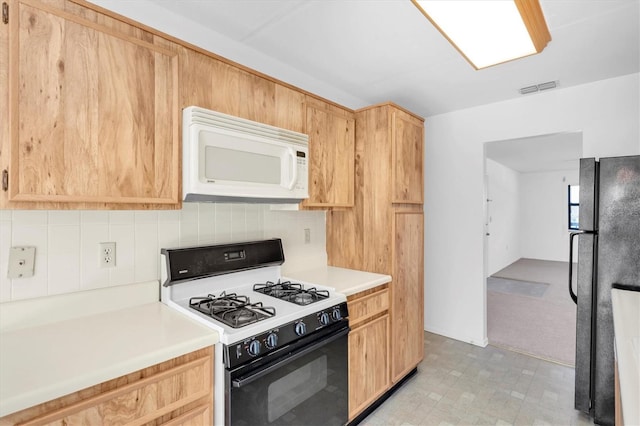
{"x":281,"y":341}
{"x":238,"y":290}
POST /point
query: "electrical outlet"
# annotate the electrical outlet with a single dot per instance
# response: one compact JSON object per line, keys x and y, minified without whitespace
{"x":307,"y":235}
{"x":107,"y":255}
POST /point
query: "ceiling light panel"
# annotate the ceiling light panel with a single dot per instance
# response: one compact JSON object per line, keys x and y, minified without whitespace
{"x":489,"y":32}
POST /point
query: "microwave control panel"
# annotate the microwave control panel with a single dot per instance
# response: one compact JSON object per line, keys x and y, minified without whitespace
{"x":303,"y":170}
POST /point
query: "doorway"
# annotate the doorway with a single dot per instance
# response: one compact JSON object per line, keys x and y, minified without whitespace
{"x":526,"y":249}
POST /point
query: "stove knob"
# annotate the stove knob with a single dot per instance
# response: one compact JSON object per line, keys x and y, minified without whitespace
{"x":337,"y":316}
{"x":300,"y":328}
{"x":271,"y":341}
{"x":254,"y":348}
{"x":325,"y":319}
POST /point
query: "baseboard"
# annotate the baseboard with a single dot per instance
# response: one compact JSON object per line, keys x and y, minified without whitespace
{"x":483,"y":342}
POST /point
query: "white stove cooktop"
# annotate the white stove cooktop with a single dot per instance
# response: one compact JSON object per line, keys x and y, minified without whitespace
{"x":241,"y":283}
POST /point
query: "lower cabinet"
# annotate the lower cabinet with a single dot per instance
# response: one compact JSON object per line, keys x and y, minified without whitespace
{"x":175,"y":392}
{"x":369,"y":357}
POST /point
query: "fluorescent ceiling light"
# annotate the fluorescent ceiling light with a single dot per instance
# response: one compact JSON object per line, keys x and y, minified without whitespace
{"x":487,"y":33}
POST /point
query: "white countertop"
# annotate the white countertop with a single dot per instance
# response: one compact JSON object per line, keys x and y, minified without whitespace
{"x":626,"y":325}
{"x":45,"y":361}
{"x":345,"y":281}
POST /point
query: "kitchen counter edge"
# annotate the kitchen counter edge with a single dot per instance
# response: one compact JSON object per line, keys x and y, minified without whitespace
{"x":626,"y":323}
{"x":42,"y":363}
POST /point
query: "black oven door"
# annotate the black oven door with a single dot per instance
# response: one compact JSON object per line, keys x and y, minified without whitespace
{"x":306,"y":386}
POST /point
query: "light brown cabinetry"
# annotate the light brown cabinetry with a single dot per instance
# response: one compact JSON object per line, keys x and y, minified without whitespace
{"x":407,"y":158}
{"x":407,"y":330}
{"x":91,"y":118}
{"x":619,"y":421}
{"x":331,"y":133}
{"x":93,"y":111}
{"x":175,"y":392}
{"x":368,"y":348}
{"x":383,"y":232}
{"x":209,"y":82}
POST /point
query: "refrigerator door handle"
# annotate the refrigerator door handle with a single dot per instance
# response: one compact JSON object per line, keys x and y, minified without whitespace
{"x":573,"y":295}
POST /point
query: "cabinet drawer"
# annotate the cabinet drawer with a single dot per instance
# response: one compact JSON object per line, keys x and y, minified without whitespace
{"x":366,"y":305}
{"x":179,"y":390}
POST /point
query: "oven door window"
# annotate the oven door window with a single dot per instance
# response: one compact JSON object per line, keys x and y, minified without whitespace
{"x":308,"y":389}
{"x":288,"y":392}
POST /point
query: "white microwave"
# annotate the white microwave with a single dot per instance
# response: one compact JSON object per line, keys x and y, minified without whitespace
{"x":231,"y":159}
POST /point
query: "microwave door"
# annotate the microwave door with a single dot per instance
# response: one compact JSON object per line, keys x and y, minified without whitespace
{"x":244,"y":167}
{"x":229,"y":159}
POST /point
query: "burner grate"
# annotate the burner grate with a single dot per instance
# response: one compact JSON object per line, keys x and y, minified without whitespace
{"x":291,"y":292}
{"x":231,"y":309}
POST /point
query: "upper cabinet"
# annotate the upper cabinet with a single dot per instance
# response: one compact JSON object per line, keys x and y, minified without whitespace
{"x":331,"y":133}
{"x":93,"y":108}
{"x":211,"y":83}
{"x":92,"y":112}
{"x":407,"y":154}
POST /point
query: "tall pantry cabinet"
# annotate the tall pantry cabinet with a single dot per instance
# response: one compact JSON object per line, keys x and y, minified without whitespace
{"x":384,"y":231}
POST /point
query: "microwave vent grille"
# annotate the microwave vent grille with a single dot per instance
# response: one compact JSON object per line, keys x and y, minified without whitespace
{"x":222,"y":121}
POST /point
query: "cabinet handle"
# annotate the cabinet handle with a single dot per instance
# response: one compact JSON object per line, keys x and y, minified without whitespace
{"x":5,"y":13}
{"x":5,"y":180}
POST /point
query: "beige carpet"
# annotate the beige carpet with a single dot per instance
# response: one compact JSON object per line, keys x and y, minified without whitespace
{"x":544,"y":326}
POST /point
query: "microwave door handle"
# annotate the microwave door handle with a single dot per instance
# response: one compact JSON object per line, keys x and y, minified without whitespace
{"x":294,"y":168}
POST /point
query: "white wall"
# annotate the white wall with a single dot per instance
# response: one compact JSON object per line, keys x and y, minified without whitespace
{"x":67,"y":242}
{"x":606,"y":112}
{"x":543,"y":203}
{"x":503,"y":216}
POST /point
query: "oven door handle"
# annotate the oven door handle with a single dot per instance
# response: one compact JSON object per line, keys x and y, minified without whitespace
{"x":242,"y":381}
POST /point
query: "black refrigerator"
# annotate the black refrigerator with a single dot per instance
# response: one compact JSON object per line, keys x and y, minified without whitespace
{"x":608,"y":257}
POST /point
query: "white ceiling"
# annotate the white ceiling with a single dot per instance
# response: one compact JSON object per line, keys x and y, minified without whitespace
{"x":379,"y":50}
{"x":560,"y":151}
{"x":362,"y":52}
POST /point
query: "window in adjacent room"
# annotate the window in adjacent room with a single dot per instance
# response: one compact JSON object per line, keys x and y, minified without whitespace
{"x":574,"y":206}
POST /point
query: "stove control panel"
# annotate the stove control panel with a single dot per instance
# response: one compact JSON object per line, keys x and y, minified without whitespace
{"x":264,"y":343}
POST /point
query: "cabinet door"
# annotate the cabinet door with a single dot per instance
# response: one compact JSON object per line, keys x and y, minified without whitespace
{"x":407,"y":291}
{"x":94,"y":112}
{"x":331,"y":157}
{"x":407,"y":159}
{"x":210,"y":83}
{"x":368,"y":364}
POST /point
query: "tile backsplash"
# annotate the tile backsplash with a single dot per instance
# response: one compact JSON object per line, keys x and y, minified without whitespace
{"x":67,"y":242}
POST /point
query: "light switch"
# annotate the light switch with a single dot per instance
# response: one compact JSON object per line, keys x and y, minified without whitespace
{"x":21,"y":262}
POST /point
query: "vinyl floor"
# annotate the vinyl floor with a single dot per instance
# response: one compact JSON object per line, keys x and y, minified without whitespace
{"x":462,"y":384}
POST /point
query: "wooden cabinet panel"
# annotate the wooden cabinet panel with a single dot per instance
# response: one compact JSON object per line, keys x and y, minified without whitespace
{"x":177,"y":392}
{"x":202,"y":415}
{"x":212,"y":84}
{"x":289,"y":109}
{"x":367,"y":306}
{"x":94,"y":112}
{"x":331,"y":156}
{"x":369,"y":357}
{"x":368,"y":364}
{"x":407,"y":159}
{"x":407,"y":310}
